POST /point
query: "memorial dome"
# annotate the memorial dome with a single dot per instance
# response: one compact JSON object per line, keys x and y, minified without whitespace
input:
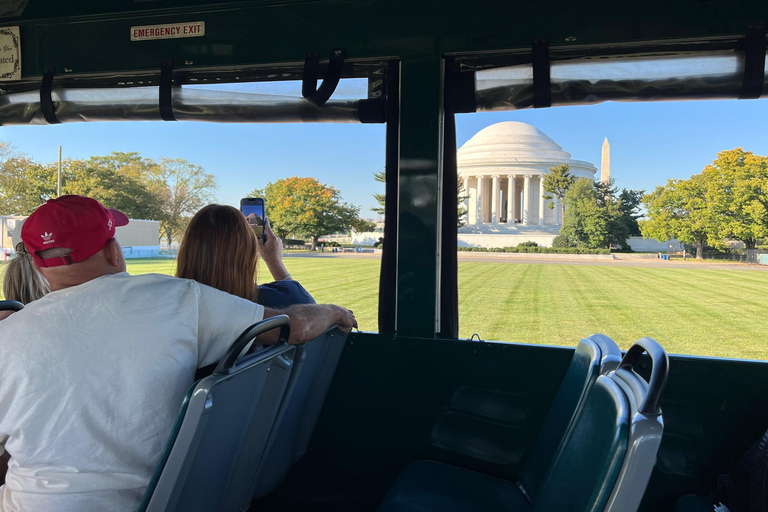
{"x":515,"y":147}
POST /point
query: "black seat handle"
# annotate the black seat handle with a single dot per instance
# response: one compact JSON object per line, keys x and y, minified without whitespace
{"x":228,"y":361}
{"x":11,"y":305}
{"x":659,"y":371}
{"x":319,"y":95}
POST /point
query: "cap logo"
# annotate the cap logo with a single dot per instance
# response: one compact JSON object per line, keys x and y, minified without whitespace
{"x":47,"y":238}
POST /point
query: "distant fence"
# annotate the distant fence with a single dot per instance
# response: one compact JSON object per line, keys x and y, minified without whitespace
{"x":751,"y":256}
{"x":144,"y":251}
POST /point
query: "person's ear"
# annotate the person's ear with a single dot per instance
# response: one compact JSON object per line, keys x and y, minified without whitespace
{"x":112,"y":253}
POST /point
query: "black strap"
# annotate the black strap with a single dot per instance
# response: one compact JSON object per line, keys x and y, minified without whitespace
{"x":542,"y":91}
{"x":754,"y":62}
{"x":166,"y":82}
{"x":319,"y":95}
{"x":46,"y":101}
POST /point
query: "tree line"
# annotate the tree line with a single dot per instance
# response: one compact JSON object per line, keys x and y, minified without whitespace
{"x":169,"y":190}
{"x":727,"y":201}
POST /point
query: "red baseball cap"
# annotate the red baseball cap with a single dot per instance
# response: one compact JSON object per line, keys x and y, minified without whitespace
{"x":77,"y":223}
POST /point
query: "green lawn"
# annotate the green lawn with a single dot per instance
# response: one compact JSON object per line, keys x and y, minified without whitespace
{"x":690,"y":311}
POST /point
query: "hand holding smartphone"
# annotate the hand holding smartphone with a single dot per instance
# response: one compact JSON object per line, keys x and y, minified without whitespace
{"x":253,"y":209}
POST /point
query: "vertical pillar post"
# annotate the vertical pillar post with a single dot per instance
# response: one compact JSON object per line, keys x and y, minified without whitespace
{"x":479,"y":205}
{"x":419,"y":202}
{"x":541,"y":200}
{"x":495,"y":201}
{"x":511,"y":193}
{"x":527,"y":200}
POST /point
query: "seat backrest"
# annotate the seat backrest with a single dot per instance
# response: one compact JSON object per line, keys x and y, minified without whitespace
{"x":610,"y":354}
{"x":298,"y":416}
{"x":585,"y":366}
{"x":585,"y":470}
{"x":218,"y":441}
{"x":647,"y":424}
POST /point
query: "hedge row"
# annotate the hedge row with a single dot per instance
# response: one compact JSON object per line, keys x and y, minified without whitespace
{"x":541,"y":250}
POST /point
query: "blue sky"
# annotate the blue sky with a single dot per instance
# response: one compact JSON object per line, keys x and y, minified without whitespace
{"x":650,"y":143}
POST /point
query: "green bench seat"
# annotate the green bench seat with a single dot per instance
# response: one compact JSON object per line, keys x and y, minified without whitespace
{"x":601,"y":463}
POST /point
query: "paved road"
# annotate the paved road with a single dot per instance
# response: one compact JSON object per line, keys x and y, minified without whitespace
{"x":618,"y":262}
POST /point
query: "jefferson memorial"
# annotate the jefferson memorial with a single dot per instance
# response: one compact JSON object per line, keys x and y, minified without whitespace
{"x":503,"y":168}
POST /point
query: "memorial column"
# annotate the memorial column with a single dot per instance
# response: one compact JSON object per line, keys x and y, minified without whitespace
{"x":495,"y":201}
{"x":479,"y":205}
{"x":527,"y":200}
{"x":511,"y":200}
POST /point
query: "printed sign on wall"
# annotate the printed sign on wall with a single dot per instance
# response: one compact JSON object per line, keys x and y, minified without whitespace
{"x":169,"y":31}
{"x":10,"y":54}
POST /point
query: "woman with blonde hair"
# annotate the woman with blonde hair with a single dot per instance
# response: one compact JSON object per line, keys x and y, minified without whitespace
{"x":221,"y":250}
{"x":22,"y":282}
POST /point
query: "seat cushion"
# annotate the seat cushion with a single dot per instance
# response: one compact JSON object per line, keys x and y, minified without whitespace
{"x":428,"y":486}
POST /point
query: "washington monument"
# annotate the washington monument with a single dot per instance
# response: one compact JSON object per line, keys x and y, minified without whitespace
{"x":605,"y":163}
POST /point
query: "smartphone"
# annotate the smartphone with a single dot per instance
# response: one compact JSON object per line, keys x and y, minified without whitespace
{"x":253,"y":209}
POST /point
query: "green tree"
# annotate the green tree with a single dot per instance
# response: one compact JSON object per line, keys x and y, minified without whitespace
{"x":25,"y":185}
{"x":306,"y":207}
{"x":678,"y":210}
{"x":363,"y":226}
{"x":557,"y":183}
{"x":584,"y":224}
{"x":611,"y":206}
{"x":727,"y":201}
{"x":736,"y":188}
{"x":630,"y":203}
{"x":592,"y":216}
{"x":181,"y":189}
{"x":462,"y":196}
{"x":170,"y":191}
{"x":125,"y":181}
{"x":380,"y":177}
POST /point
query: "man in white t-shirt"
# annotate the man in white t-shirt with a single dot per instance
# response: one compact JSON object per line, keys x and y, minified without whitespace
{"x":92,"y":375}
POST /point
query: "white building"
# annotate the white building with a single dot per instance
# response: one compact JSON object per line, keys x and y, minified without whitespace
{"x":140,"y":238}
{"x":503,"y":167}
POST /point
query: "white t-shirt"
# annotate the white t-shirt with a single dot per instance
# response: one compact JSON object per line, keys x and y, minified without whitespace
{"x":91,"y":381}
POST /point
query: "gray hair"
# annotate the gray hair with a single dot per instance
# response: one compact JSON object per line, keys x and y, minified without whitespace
{"x":23,"y":282}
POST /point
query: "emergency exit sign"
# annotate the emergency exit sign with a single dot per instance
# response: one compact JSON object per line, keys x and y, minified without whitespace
{"x":168,"y":31}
